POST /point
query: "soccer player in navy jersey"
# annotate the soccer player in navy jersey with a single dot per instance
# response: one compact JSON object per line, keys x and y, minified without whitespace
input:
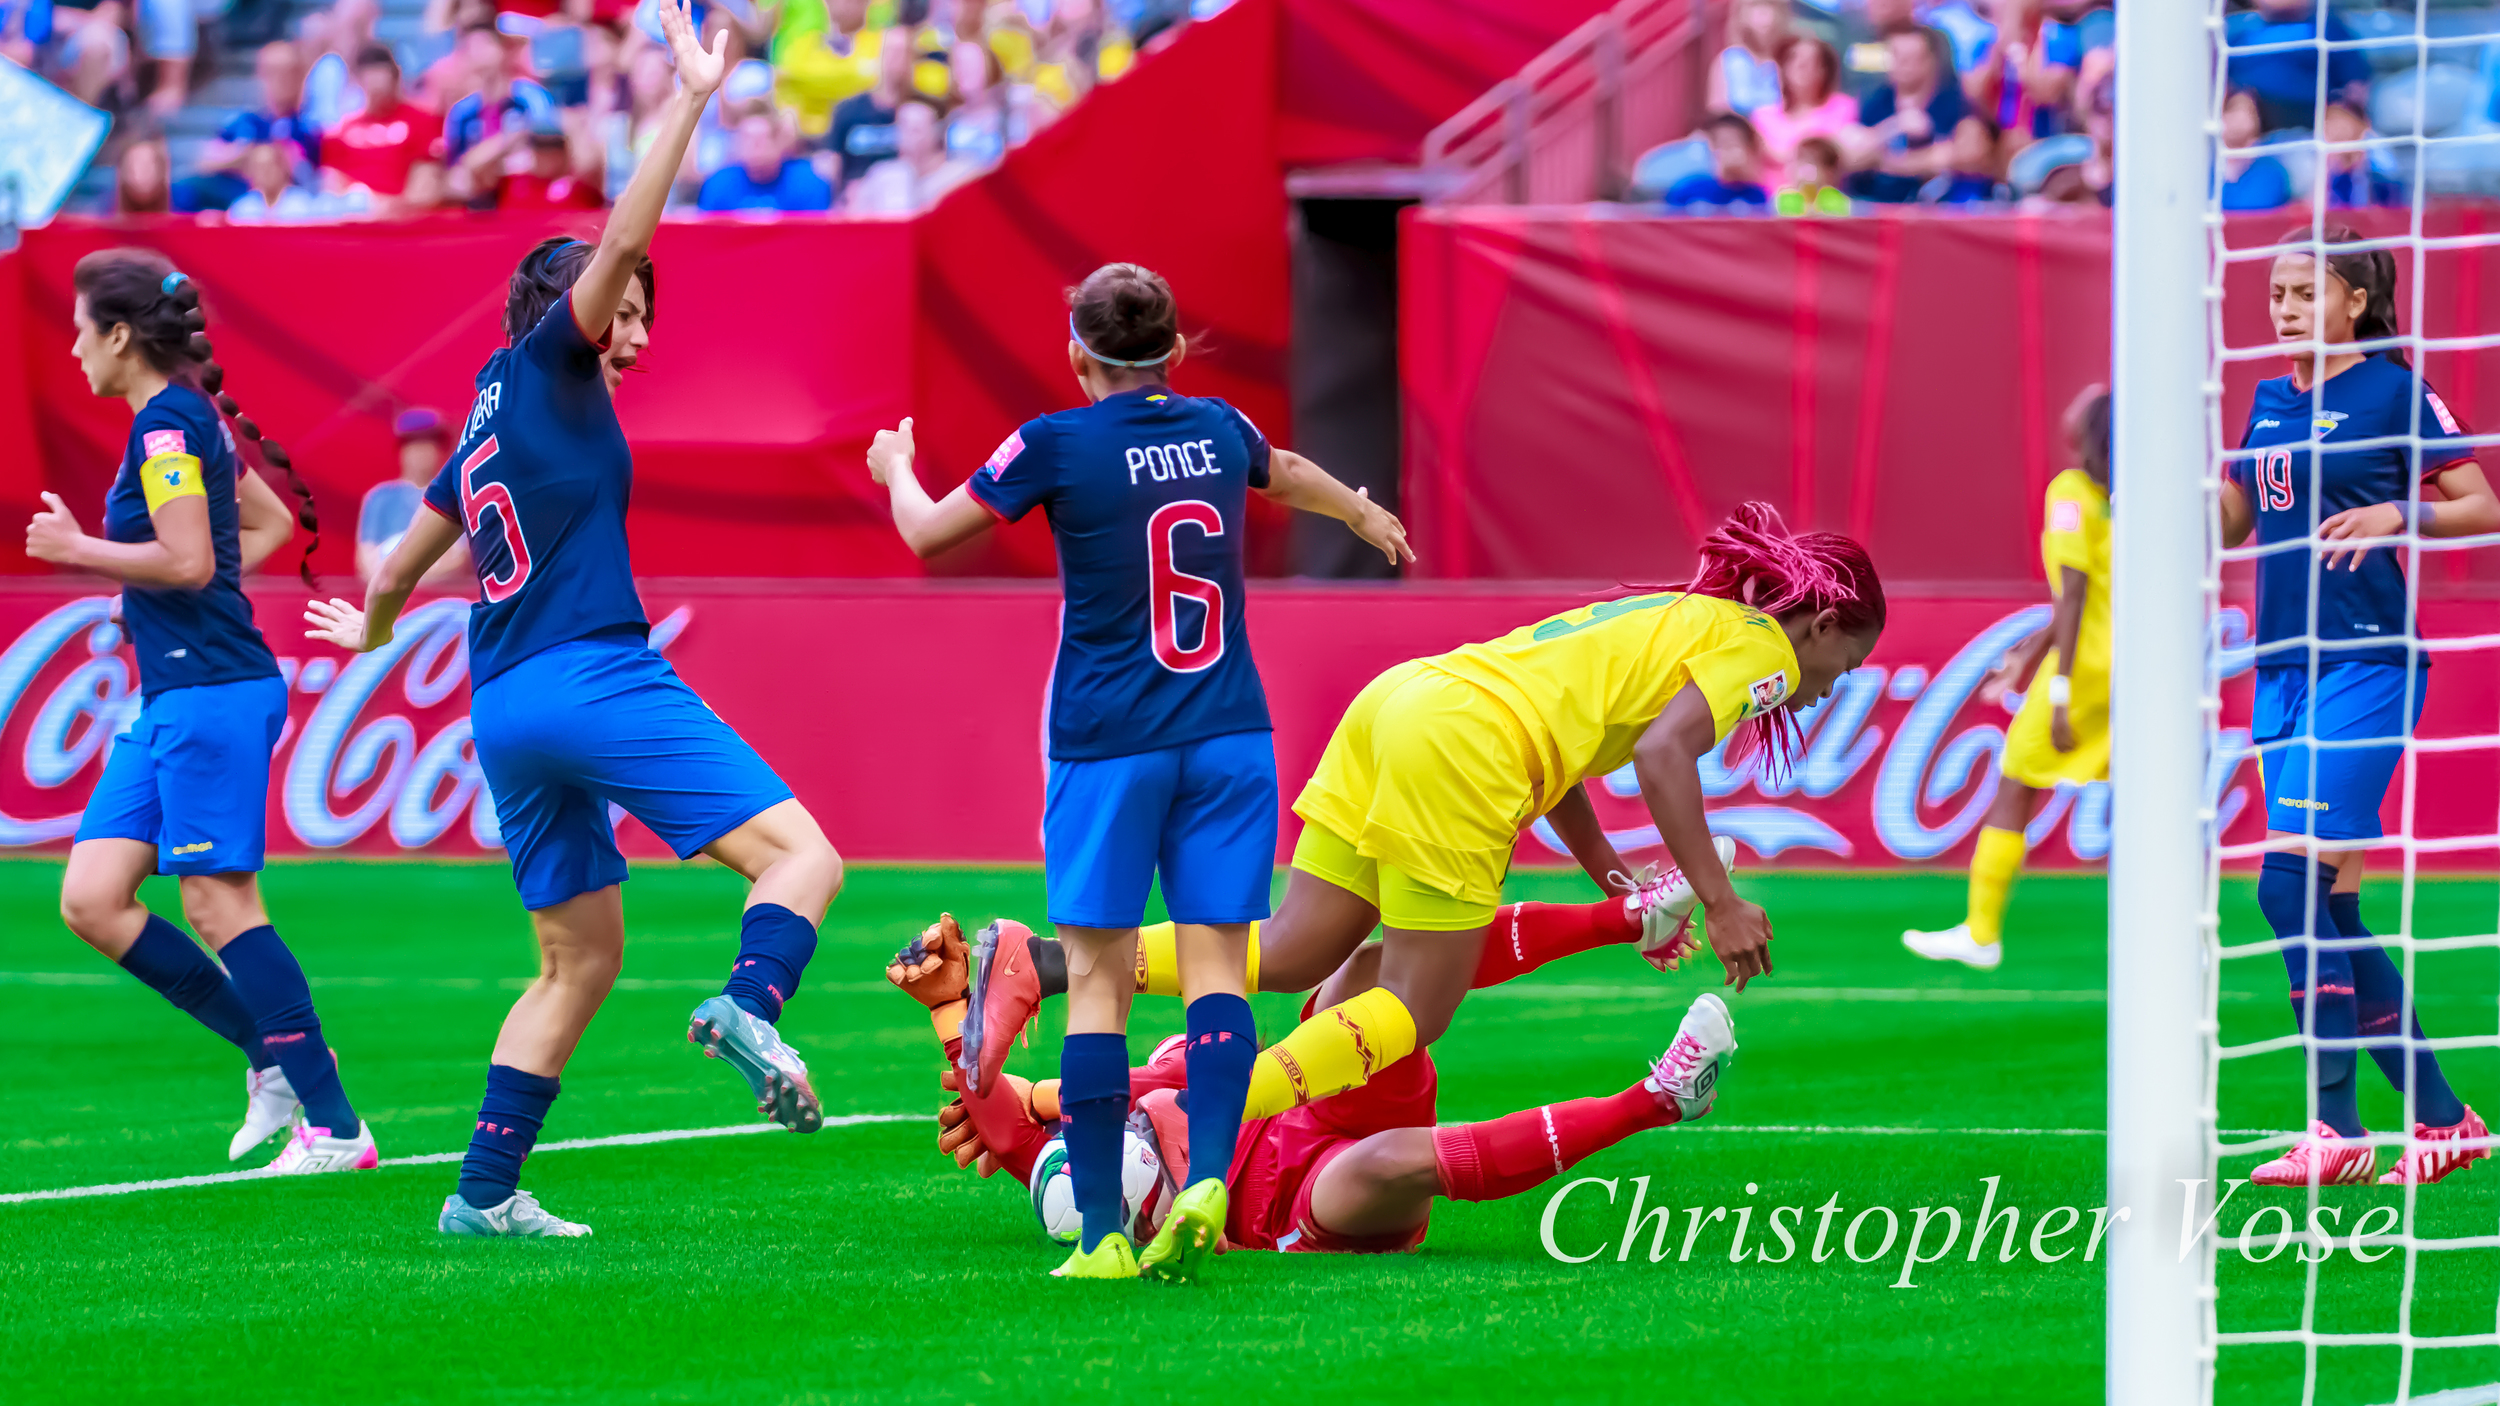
{"x":2338,"y":664}
{"x":571,"y":707}
{"x":1160,"y":753}
{"x":186,"y":789}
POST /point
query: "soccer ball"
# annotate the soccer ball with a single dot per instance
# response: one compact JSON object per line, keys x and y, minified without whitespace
{"x":1143,"y":1192}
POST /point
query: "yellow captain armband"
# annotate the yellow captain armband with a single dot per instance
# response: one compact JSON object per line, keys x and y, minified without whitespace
{"x":169,"y":476}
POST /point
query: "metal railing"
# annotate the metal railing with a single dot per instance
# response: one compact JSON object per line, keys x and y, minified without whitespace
{"x":1566,"y":128}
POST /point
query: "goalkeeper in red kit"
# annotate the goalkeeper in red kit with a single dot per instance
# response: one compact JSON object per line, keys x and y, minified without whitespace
{"x":1352,"y":1173}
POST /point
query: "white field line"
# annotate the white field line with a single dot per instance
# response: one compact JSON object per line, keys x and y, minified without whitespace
{"x":125,"y":1188}
{"x":2459,"y":1396}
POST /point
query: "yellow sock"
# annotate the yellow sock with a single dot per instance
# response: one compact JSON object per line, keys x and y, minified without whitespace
{"x":1337,"y":1049}
{"x":1159,"y":959}
{"x":1992,"y":869}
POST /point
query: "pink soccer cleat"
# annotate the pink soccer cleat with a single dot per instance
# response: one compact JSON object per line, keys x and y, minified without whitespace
{"x":2435,"y":1152}
{"x":2322,"y":1157}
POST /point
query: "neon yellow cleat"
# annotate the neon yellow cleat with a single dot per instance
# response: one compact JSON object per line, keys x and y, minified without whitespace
{"x":1111,"y":1258}
{"x":1189,"y":1233}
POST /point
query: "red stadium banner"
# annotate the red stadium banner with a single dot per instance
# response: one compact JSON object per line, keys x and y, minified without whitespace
{"x":908,"y":716}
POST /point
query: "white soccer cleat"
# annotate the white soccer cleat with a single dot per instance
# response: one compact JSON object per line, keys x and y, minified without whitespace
{"x":269,"y":1106}
{"x":1686,"y":1077}
{"x":314,"y":1150}
{"x":518,"y":1217}
{"x":1955,"y":944}
{"x":1664,"y":903}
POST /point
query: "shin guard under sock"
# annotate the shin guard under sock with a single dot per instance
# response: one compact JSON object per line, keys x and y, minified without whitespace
{"x":1337,"y":1049}
{"x":774,"y":945}
{"x":1526,"y":936}
{"x":175,"y":968}
{"x":1223,"y":1045}
{"x":2378,"y":991}
{"x":1511,"y":1154}
{"x":1093,"y":1097}
{"x":272,"y":987}
{"x":2294,"y":893}
{"x":508,"y":1120}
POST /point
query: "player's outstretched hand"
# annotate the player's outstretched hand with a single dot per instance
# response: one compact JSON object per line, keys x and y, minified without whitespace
{"x":1380,"y":527}
{"x":699,"y":70}
{"x":53,"y":534}
{"x":2014,"y":671}
{"x":957,"y":1138}
{"x":936,"y":967}
{"x":1740,"y":932}
{"x":890,"y":453}
{"x":2376,"y":520}
{"x":335,"y":621}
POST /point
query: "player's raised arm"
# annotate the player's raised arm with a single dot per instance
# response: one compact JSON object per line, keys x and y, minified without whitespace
{"x":627,"y":238}
{"x":1298,"y":483}
{"x":929,"y":526}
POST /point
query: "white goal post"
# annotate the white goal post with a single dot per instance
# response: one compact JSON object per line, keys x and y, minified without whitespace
{"x":2159,"y":1343}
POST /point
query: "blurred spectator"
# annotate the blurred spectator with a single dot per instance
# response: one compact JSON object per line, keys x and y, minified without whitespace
{"x":449,"y":78}
{"x":1973,"y":175}
{"x":1735,"y":177}
{"x":822,"y":53}
{"x":2249,"y":182}
{"x":2351,"y":182}
{"x":25,"y":27}
{"x":274,"y":195}
{"x":391,"y":505}
{"x":1068,"y":52}
{"x":382,"y":146}
{"x":1909,"y":119}
{"x":766,"y":176}
{"x":1809,"y":104}
{"x":1814,"y":175}
{"x":1968,"y":28}
{"x":143,"y":180}
{"x":2286,"y":81}
{"x":1865,"y":53}
{"x":746,"y":92}
{"x":483,"y":130}
{"x":2093,"y":180}
{"x":1747,"y":74}
{"x":169,"y":33}
{"x":985,"y":122}
{"x":331,"y":41}
{"x":89,"y":48}
{"x":549,"y":182}
{"x":629,"y":133}
{"x":280,"y":122}
{"x":863,"y":125}
{"x":920,"y":172}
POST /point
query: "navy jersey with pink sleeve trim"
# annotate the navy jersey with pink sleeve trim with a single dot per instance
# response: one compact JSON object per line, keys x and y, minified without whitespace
{"x":1147,"y":494}
{"x":2375,"y":399}
{"x":540,"y":482}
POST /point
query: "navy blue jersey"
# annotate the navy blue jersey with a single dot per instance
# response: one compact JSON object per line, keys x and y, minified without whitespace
{"x":2373,"y":399}
{"x":1146,"y":492}
{"x":539,"y":482}
{"x":179,"y":448}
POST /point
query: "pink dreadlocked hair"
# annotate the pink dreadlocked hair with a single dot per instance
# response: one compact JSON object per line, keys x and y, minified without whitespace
{"x":1753,"y":560}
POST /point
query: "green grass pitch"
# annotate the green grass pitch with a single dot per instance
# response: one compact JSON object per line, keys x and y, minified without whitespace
{"x":858,"y":1265}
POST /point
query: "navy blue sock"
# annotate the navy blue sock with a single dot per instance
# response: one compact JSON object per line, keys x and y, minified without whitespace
{"x":273,"y":989}
{"x":2321,"y":979}
{"x":174,"y":965}
{"x":2378,"y":991}
{"x":773,"y":947}
{"x":508,"y":1120}
{"x":1093,"y":1098}
{"x":1223,"y":1045}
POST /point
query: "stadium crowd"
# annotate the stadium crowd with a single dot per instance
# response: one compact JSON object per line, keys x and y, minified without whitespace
{"x":855,"y":106}
{"x":1816,"y":109}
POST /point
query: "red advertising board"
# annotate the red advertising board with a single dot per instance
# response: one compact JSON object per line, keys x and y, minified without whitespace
{"x":908,"y":716}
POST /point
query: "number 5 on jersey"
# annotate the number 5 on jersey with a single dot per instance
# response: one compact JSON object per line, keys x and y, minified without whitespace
{"x":1168,"y":585}
{"x":475,"y":499}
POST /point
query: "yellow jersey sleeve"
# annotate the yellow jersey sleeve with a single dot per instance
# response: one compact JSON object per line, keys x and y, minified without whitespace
{"x":1749,"y":671}
{"x":2073,"y":512}
{"x":166,"y":477}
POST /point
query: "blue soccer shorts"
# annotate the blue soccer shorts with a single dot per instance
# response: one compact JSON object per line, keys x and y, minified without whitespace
{"x":1202,"y":815}
{"x":2337,"y":788}
{"x":191,"y":777}
{"x":570,"y":729}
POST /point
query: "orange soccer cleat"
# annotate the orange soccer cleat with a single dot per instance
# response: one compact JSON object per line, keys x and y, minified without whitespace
{"x":1005,"y":990}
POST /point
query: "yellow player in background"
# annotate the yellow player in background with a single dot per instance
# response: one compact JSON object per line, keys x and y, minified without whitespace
{"x":2062,"y":732}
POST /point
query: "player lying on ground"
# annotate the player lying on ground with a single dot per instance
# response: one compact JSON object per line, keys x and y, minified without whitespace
{"x":1355,"y":1172}
{"x":1411,"y":817}
{"x":185,"y":790}
{"x":2344,"y":668}
{"x":572,"y":709}
{"x":2062,"y":732}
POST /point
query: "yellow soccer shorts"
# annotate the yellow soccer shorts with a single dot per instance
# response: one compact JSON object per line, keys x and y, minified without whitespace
{"x":2033,"y":760}
{"x":1418,"y":801}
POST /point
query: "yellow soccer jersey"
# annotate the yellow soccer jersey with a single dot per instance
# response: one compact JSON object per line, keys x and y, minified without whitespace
{"x":1587,"y":683}
{"x":2076,"y":533}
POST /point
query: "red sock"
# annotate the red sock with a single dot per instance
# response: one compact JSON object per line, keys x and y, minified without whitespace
{"x":1525,"y":936}
{"x":1488,"y":1161}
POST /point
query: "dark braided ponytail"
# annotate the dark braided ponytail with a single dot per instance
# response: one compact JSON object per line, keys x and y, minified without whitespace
{"x":139,"y":289}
